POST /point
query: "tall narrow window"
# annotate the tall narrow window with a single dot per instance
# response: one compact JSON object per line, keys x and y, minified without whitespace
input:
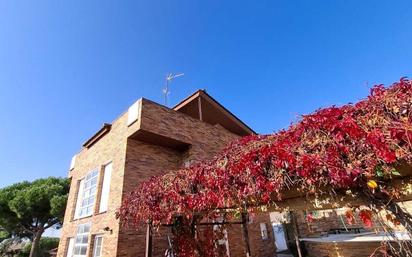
{"x":97,"y":249}
{"x":107,"y":176}
{"x":87,"y":195}
{"x":70,"y":247}
{"x":82,"y":240}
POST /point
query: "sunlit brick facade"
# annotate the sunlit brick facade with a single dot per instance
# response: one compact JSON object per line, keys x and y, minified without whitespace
{"x":148,"y":139}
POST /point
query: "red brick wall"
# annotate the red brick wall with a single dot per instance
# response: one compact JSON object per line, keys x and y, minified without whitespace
{"x":206,"y":140}
{"x":145,"y":160}
{"x":112,"y":147}
{"x":258,"y":246}
{"x":135,"y":161}
{"x":322,"y":223}
{"x":326,"y":220}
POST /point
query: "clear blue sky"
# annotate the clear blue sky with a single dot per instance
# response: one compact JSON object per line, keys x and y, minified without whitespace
{"x":68,"y":66}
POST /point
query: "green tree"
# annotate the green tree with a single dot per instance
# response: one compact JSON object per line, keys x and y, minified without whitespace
{"x":27,"y":209}
{"x":46,"y":244}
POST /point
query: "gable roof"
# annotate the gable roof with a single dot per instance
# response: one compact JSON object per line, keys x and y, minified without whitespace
{"x":200,"y":105}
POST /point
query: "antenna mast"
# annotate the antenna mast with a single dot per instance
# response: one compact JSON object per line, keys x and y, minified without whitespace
{"x":166,"y":89}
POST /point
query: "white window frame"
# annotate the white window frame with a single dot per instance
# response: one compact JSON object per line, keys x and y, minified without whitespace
{"x":82,"y":240}
{"x":87,"y":195}
{"x":70,"y":247}
{"x":97,"y":250}
{"x":105,"y":194}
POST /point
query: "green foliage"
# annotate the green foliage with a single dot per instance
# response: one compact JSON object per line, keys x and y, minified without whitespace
{"x":4,"y":235}
{"x":9,"y":219}
{"x":46,"y":244}
{"x":29,"y":206}
{"x":11,"y":247}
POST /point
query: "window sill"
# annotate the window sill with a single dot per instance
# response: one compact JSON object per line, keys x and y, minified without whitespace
{"x":100,"y":213}
{"x":82,"y":218}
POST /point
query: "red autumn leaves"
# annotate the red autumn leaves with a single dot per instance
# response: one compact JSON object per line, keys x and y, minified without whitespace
{"x":349,"y":217}
{"x":337,"y":147}
{"x":366,"y":217}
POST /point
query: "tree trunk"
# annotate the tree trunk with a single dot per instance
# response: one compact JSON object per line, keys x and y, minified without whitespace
{"x":36,"y":242}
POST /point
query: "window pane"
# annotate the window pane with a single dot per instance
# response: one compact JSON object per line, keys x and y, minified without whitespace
{"x":97,"y":246}
{"x":86,"y":228}
{"x":82,"y":240}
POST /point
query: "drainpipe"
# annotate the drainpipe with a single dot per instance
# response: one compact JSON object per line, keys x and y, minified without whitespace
{"x":149,"y":240}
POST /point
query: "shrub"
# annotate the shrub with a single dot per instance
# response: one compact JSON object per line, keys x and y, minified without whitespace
{"x":46,"y":244}
{"x":3,"y":235}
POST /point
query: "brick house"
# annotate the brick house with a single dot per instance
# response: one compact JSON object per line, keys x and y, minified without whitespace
{"x":148,"y":139}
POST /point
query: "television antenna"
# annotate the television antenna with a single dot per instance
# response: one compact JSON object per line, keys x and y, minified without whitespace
{"x":166,"y":89}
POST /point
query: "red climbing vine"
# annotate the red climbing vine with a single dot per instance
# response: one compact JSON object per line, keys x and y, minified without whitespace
{"x":355,"y":146}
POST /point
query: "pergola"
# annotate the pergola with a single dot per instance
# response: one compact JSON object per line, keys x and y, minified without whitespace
{"x":348,"y":156}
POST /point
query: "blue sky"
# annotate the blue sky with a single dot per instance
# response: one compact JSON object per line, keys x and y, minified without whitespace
{"x":68,"y":66}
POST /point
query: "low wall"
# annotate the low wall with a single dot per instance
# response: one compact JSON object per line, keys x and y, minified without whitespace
{"x":340,"y":249}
